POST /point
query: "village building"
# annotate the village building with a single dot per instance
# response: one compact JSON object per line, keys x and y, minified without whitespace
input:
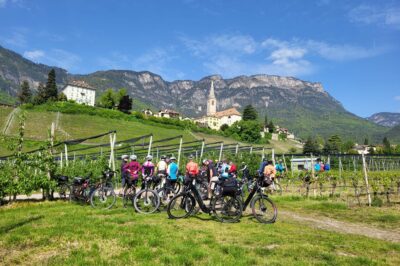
{"x":147,"y":112}
{"x":80,"y":92}
{"x":214,"y":119}
{"x":166,"y":113}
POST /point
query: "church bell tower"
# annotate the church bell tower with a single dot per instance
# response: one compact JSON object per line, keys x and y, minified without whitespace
{"x":211,"y":101}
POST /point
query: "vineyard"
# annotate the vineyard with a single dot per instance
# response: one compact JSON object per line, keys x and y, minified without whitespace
{"x":354,"y":179}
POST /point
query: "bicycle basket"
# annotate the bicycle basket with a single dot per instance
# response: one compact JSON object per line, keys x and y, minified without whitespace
{"x":230,"y":186}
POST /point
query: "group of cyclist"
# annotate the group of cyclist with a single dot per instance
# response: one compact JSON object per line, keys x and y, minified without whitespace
{"x":166,"y":170}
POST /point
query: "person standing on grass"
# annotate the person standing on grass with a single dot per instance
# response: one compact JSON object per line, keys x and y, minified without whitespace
{"x":124,"y":172}
{"x":133,"y":168}
{"x":162,"y":169}
{"x":147,"y":168}
{"x":270,"y":171}
{"x":172,"y":172}
{"x":192,"y":168}
{"x":232,"y":169}
{"x":263,"y":164}
{"x":212,"y":175}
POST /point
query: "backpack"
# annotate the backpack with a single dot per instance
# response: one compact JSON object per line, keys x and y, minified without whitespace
{"x":317,"y":167}
{"x":230,"y":186}
{"x":327,"y":167}
{"x":322,"y":167}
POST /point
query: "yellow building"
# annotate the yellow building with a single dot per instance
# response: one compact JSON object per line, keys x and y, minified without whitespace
{"x":215,"y":119}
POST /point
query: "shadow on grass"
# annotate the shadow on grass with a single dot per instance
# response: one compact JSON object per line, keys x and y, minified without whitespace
{"x":7,"y":228}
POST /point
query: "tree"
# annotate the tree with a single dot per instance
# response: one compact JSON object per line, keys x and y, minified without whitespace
{"x":40,"y":97}
{"x":125,"y":104}
{"x":347,"y":146}
{"x":311,"y":146}
{"x":387,"y":149}
{"x":271,"y":127}
{"x":51,"y":86}
{"x":366,"y":142}
{"x":265,"y":121}
{"x":249,"y":113}
{"x":333,"y":145}
{"x":224,"y":127}
{"x":25,"y":94}
{"x":248,"y":131}
{"x":107,"y":99}
{"x":62,"y":97}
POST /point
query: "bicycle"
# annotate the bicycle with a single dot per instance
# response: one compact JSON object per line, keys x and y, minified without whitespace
{"x":166,"y":191}
{"x":129,"y":192}
{"x":260,"y":203}
{"x":103,"y":195}
{"x":146,"y":200}
{"x":225,"y":207}
{"x":62,"y":186}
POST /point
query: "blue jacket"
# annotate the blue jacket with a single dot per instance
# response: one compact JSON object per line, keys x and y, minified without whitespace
{"x":173,"y":171}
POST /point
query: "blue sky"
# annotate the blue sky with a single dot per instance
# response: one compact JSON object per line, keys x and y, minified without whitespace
{"x":351,"y":47}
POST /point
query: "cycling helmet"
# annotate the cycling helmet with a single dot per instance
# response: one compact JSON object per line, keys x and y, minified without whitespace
{"x":123,"y":157}
{"x":172,"y":158}
{"x":190,"y":157}
{"x":205,"y":161}
{"x":163,"y":157}
{"x":149,"y":157}
{"x":133,"y":157}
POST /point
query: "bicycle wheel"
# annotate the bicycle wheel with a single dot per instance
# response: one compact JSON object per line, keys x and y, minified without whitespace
{"x":103,"y":197}
{"x":72,"y":193}
{"x":177,"y":187}
{"x":181,"y":206}
{"x":264,"y":209}
{"x":146,"y":201}
{"x":128,"y":196}
{"x":165,"y":195}
{"x":63,"y":190}
{"x":227,"y":208}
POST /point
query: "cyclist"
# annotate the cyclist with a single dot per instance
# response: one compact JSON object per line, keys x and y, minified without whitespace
{"x":263,"y":164}
{"x":124,"y":172}
{"x":162,"y":169}
{"x":192,"y":168}
{"x":269,"y":172}
{"x":133,"y":168}
{"x":232,"y":169}
{"x":279,"y":168}
{"x":225,"y":167}
{"x":172,"y":172}
{"x":147,"y":168}
{"x":212,"y":175}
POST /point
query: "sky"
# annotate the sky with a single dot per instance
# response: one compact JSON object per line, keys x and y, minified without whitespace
{"x":351,"y":46}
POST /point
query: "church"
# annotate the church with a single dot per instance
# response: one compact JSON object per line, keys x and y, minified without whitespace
{"x":214,"y":119}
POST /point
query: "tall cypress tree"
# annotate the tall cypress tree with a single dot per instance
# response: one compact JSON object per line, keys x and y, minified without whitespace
{"x":51,"y":86}
{"x":41,"y":95}
{"x":249,"y":113}
{"x":25,"y":94}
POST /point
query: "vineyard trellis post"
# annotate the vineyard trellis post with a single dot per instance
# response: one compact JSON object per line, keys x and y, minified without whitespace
{"x":313,"y":175}
{"x":111,"y":162}
{"x":61,"y":160}
{"x":202,"y":150}
{"x":273,"y":156}
{"x":263,"y":154}
{"x":366,"y":179}
{"x":251,"y":149}
{"x":220,"y":151}
{"x":179,"y":151}
{"x":284,"y":163}
{"x":66,"y":154}
{"x":150,"y":143}
{"x":237,"y":149}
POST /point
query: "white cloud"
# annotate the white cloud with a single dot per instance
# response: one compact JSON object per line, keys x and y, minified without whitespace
{"x":231,"y":55}
{"x":34,"y":55}
{"x":384,"y":16}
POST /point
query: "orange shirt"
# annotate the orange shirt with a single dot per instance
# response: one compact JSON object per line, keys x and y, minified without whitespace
{"x":192,"y":168}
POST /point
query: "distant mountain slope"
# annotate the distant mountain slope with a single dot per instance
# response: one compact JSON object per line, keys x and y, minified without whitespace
{"x":385,"y":119}
{"x":303,"y":107}
{"x":394,"y":134}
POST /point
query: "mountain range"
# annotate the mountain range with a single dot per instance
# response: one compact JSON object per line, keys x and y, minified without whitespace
{"x":305,"y":108}
{"x":385,"y":119}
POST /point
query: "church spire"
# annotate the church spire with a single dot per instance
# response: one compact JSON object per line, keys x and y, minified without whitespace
{"x":211,"y":101}
{"x":211,"y":95}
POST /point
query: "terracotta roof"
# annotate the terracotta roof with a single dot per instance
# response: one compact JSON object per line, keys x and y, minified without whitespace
{"x":227,"y":112}
{"x":81,"y":83}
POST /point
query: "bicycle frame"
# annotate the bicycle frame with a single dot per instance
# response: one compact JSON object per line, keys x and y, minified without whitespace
{"x":256,"y":189}
{"x":197,"y":197}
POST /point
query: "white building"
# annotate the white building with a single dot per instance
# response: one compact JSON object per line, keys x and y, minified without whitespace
{"x":80,"y":92}
{"x":215,"y":119}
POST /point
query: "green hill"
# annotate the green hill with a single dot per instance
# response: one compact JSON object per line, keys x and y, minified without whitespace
{"x":81,"y":125}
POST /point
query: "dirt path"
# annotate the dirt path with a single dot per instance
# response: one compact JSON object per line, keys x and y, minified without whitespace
{"x":341,"y":227}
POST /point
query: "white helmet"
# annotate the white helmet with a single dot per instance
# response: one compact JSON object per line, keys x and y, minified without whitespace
{"x":149,"y":157}
{"x":123,"y":157}
{"x":172,"y":158}
{"x":133,"y":157}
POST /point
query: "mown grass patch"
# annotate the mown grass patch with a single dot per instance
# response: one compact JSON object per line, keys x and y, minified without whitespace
{"x":60,"y":233}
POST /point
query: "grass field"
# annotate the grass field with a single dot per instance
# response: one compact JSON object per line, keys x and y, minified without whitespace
{"x":60,"y":233}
